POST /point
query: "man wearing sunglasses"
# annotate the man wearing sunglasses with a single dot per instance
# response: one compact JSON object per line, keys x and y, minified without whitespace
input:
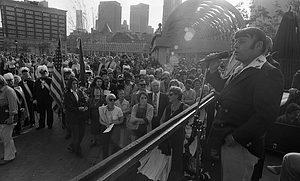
{"x":141,"y":87}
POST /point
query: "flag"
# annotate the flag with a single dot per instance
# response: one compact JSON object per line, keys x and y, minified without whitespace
{"x":82,"y":65}
{"x":56,"y":88}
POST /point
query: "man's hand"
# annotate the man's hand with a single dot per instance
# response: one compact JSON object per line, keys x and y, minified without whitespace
{"x":230,"y":140}
{"x":9,"y":121}
{"x":81,"y":108}
{"x":34,"y":101}
{"x":293,"y":91}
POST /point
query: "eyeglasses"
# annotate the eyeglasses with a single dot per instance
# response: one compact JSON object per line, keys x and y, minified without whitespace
{"x":111,"y":100}
{"x":9,"y":80}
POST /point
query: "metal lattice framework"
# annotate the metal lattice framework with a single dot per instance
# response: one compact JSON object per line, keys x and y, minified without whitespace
{"x":200,"y":26}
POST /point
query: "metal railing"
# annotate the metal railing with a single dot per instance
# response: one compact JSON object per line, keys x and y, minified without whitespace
{"x":114,"y":166}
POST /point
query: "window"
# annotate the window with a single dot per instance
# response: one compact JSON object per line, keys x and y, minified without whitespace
{"x":38,"y":34}
{"x":38,"y":17}
{"x":38,"y":30}
{"x":21,"y":14}
{"x":46,"y":27}
{"x":46,"y":35}
{"x":53,"y":24}
{"x":29,"y":11}
{"x":21,"y":28}
{"x":11,"y":31}
{"x":30,"y":33}
{"x":29,"y":16}
{"x":29,"y":20}
{"x":46,"y":23}
{"x":30,"y":29}
{"x":30,"y":25}
{"x":21,"y":32}
{"x":61,"y":17}
{"x":38,"y":26}
{"x":38,"y":21}
{"x":20,"y":10}
{"x":10,"y":13}
{"x":11,"y":18}
{"x":62,"y":21}
{"x":11,"y":22}
{"x":21,"y":19}
{"x":53,"y":15}
{"x":21,"y":23}
{"x":46,"y":14}
{"x":11,"y":27}
{"x":38,"y":13}
{"x":10,"y":8}
{"x":46,"y":19}
{"x":46,"y":31}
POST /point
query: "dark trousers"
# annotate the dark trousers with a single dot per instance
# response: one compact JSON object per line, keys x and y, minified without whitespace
{"x":155,"y":122}
{"x":77,"y":136}
{"x":63,"y":118}
{"x":31,"y":112}
{"x":42,"y":112}
{"x":107,"y":142}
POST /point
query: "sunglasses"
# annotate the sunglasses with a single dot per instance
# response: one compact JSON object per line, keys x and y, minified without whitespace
{"x":111,"y":100}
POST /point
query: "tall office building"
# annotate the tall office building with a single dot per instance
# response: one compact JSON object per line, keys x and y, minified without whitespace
{"x":169,"y":6}
{"x":32,"y":24}
{"x":139,"y":17}
{"x":109,"y":12}
{"x":79,"y":20}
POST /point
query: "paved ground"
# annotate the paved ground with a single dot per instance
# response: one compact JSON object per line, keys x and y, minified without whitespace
{"x":42,"y":155}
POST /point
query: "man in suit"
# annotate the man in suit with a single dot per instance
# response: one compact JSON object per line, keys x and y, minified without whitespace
{"x":42,"y":97}
{"x":27,"y":87}
{"x":159,"y":101}
{"x":247,"y":106}
{"x":107,"y":85}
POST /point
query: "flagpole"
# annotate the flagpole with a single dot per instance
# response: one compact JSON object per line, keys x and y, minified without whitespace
{"x":82,"y":65}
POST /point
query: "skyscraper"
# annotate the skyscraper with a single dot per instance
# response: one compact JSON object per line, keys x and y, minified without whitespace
{"x":139,"y":17}
{"x":109,"y":12}
{"x":169,"y":6}
{"x":79,"y":22}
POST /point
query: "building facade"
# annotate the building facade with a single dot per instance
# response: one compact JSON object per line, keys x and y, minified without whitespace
{"x":169,"y":6}
{"x":109,"y":12}
{"x":32,"y":27}
{"x":79,"y":20}
{"x":139,"y":17}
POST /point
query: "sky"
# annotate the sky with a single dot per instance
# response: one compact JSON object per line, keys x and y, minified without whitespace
{"x":91,"y":8}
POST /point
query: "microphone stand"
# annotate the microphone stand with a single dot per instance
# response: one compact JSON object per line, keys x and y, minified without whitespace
{"x":199,"y":127}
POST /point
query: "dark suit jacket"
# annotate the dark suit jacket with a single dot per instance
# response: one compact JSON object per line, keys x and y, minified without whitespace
{"x":42,"y":95}
{"x":247,"y":106}
{"x":112,"y":88}
{"x":73,"y":115}
{"x":30,"y":84}
{"x":162,"y":104}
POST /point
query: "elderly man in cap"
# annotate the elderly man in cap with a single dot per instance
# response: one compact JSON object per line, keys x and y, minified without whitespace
{"x":27,"y":87}
{"x":8,"y":112}
{"x":43,"y":98}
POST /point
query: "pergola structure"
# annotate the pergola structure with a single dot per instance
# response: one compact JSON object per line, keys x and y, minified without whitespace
{"x":197,"y":27}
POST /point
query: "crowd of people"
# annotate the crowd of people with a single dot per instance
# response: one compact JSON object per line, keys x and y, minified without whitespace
{"x":125,"y":97}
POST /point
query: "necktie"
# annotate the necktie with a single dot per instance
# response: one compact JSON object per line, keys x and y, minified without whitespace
{"x":155,"y":104}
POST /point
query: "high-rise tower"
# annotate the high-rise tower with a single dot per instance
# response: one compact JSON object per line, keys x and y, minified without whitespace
{"x":139,"y":17}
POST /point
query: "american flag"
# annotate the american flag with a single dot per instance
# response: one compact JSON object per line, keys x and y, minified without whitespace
{"x":56,"y":89}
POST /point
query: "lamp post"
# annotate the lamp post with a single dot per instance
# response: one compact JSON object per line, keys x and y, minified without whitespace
{"x":16,"y":42}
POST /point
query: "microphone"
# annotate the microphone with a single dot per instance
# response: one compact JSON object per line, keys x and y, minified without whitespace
{"x":219,"y":55}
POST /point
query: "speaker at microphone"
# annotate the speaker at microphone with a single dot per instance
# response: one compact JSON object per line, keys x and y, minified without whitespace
{"x":219,"y":55}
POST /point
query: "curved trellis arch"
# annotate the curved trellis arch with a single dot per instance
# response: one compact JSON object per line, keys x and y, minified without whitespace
{"x":211,"y":22}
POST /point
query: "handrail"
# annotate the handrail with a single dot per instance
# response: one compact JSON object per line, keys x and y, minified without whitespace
{"x":115,"y":165}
